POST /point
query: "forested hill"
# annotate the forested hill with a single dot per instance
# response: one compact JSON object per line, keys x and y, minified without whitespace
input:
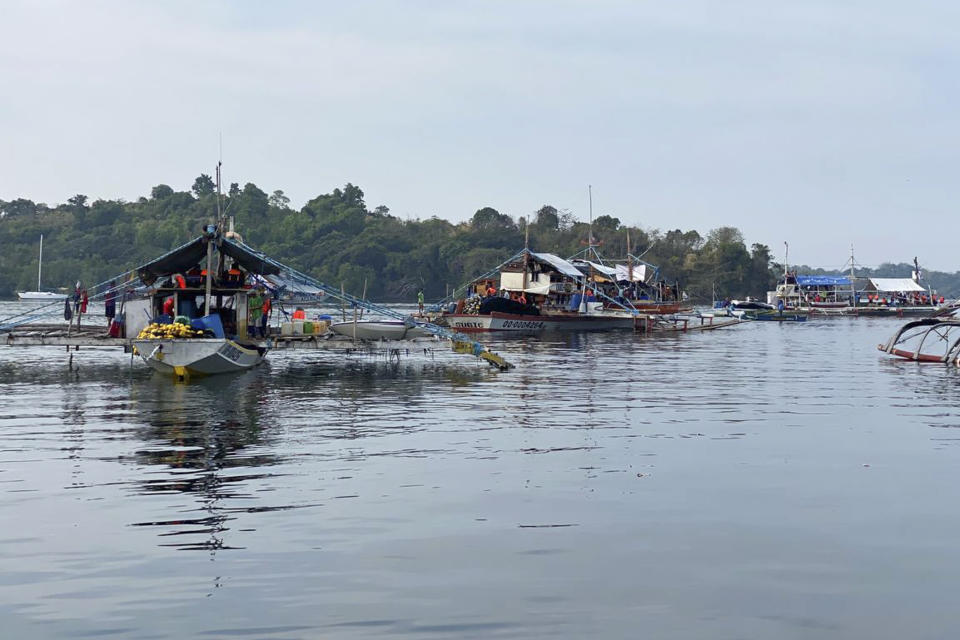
{"x":338,"y":239}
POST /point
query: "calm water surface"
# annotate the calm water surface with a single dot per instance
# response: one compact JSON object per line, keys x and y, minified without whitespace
{"x":758,"y":482}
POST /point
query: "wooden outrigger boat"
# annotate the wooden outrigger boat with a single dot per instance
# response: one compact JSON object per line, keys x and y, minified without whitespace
{"x":554,"y":291}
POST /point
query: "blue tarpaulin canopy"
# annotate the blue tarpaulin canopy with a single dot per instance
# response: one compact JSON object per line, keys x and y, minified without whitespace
{"x":822,"y":281}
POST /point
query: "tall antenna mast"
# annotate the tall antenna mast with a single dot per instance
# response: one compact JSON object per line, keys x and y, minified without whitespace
{"x":40,"y":263}
{"x":526,"y":254}
{"x":590,"y":237}
{"x":853,"y":277}
{"x":586,"y":281}
{"x":786,"y":258}
{"x":212,"y":234}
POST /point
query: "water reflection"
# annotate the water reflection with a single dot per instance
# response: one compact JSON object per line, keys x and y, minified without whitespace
{"x":199,"y":432}
{"x":586,"y":492}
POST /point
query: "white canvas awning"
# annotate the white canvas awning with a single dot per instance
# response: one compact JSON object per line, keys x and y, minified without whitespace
{"x":557,"y":263}
{"x":639,"y":273}
{"x":510,"y":281}
{"x":586,"y":265}
{"x":894,"y":285}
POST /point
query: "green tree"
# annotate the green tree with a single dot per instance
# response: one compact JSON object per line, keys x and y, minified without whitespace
{"x":204,"y":186}
{"x":161,"y":192}
{"x":279,"y":200}
{"x":78,"y":202}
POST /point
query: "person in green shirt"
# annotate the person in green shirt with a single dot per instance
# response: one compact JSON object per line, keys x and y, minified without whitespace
{"x":255,"y":306}
{"x":420,"y":300}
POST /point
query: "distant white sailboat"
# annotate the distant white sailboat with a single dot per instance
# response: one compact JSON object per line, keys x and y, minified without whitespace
{"x":39,"y":294}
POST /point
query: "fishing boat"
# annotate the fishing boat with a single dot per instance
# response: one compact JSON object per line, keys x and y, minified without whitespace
{"x":193,"y":286}
{"x":193,"y":317}
{"x":554,"y":295}
{"x":847,"y":295}
{"x":40,"y":294}
{"x":542,"y":292}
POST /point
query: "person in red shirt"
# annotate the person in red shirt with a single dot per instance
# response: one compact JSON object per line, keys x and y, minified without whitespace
{"x":265,"y":317}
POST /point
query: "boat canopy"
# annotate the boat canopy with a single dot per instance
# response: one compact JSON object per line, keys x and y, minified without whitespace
{"x":823,"y":281}
{"x":893,"y":285}
{"x":586,"y":265}
{"x":557,"y":263}
{"x":639,"y":273}
{"x":249,"y":258}
{"x":192,"y":253}
{"x":180,"y":259}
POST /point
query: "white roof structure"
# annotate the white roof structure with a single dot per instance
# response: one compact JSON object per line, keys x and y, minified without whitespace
{"x":558,"y":263}
{"x":892,"y":285}
{"x":599,"y":268}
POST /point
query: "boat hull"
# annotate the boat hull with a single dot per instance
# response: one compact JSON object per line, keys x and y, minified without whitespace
{"x":198,"y":356}
{"x":776,"y":317}
{"x":41,"y":296}
{"x":873,"y":312}
{"x":497,"y":321}
{"x":378,"y":330}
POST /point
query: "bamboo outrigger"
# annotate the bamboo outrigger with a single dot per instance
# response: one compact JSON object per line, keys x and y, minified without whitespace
{"x":934,"y":339}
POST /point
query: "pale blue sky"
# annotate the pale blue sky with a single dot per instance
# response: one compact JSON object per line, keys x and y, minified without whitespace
{"x":819,"y":123}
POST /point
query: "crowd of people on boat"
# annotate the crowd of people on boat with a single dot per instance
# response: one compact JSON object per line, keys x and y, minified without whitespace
{"x":901,"y":299}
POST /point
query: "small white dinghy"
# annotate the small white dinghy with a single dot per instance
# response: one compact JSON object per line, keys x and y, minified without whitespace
{"x":378,"y":330}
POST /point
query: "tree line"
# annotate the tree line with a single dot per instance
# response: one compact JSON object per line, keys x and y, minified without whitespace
{"x":338,"y":239}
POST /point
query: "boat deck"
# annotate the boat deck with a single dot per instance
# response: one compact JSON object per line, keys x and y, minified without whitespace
{"x":60,"y":335}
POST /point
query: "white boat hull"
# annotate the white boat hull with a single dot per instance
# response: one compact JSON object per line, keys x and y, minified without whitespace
{"x":41,"y":295}
{"x":378,"y":330}
{"x":198,"y":356}
{"x":497,"y":321}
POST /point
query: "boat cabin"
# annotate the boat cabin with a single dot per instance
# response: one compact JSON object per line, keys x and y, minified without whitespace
{"x":544,"y":277}
{"x":798,"y":291}
{"x":175,"y":286}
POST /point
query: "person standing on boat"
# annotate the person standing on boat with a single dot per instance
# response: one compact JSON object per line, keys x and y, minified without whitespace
{"x":420,"y":300}
{"x":77,"y":292}
{"x":780,"y":306}
{"x":110,"y":303}
{"x":255,"y":307}
{"x":265,"y":318}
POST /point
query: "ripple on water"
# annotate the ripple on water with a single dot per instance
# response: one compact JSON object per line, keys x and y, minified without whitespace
{"x":611,"y":482}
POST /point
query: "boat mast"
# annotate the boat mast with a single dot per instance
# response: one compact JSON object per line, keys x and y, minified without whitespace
{"x":526,"y":255}
{"x":786,"y":259}
{"x":209,"y":281}
{"x":40,"y":263}
{"x":918,"y":276}
{"x":853,"y":277}
{"x":583,"y":297}
{"x":629,"y":261}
